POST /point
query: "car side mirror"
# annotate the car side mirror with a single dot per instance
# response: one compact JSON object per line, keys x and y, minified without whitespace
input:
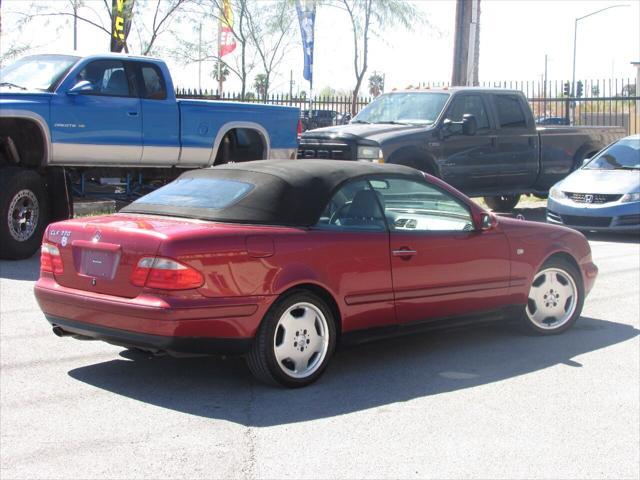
{"x":448,"y":128}
{"x":487,"y":221}
{"x":83,"y":86}
{"x":585,"y":161}
{"x":469,"y":124}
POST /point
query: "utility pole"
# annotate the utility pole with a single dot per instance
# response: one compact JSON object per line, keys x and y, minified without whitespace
{"x":466,"y":49}
{"x":200,"y":57}
{"x":219,"y":59}
{"x":575,"y":42}
{"x":544,"y":86}
{"x":75,"y":25}
{"x":290,"y":85}
{"x":546,"y":60}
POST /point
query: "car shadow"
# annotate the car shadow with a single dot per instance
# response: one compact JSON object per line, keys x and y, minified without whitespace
{"x":358,"y":378}
{"x":28,"y":269}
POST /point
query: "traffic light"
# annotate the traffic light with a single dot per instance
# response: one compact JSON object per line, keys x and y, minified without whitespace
{"x":566,"y":89}
{"x":579,"y":89}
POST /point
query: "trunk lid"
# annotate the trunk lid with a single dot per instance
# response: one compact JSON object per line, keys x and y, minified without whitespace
{"x":99,"y":254}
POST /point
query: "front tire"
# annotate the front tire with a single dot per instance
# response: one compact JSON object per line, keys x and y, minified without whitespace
{"x":295,"y":341}
{"x":24,"y":212}
{"x":555,"y":299}
{"x":502,"y":203}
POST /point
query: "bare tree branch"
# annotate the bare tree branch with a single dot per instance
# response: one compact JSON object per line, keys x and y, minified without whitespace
{"x":64,"y":14}
{"x":365,"y":17}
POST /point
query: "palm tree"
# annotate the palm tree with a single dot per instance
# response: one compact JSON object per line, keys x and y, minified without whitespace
{"x":376,"y":84}
{"x":260,"y":84}
{"x":224,"y":71}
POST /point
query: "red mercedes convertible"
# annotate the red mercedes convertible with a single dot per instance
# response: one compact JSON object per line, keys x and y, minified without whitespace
{"x":284,"y":260}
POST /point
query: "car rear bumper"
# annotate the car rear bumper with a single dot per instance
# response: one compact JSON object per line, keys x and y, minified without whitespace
{"x":155,"y":343}
{"x":173,"y":324}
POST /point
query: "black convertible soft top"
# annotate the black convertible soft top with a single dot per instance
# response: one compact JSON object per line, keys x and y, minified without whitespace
{"x":285,"y":192}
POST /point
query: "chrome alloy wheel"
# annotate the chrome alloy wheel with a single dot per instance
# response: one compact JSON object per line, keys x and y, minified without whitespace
{"x":301,"y":340}
{"x":553,"y":298}
{"x":22,"y":216}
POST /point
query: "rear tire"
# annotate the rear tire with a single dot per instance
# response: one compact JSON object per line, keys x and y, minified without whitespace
{"x":502,"y":203}
{"x":555,"y":299}
{"x":24,"y":212}
{"x":295,"y":341}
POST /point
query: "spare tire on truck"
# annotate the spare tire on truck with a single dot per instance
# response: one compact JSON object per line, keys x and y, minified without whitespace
{"x":502,"y":203}
{"x":24,"y":212}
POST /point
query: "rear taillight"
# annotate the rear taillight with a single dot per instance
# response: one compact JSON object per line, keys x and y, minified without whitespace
{"x":299,"y":127}
{"x":165,"y":274}
{"x":50,"y":259}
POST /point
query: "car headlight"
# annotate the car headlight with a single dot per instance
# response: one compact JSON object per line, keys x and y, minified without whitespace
{"x":556,"y":193}
{"x":370,"y":154}
{"x":631,"y":197}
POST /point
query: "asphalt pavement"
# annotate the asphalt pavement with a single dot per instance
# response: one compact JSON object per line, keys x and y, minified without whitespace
{"x":480,"y":402}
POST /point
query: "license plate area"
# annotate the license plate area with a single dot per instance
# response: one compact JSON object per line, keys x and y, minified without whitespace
{"x":96,"y":260}
{"x":99,"y":264}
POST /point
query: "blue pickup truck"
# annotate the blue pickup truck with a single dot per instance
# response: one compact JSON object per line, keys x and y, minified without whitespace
{"x":62,"y":116}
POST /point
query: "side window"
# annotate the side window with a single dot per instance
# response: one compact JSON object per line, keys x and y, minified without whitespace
{"x":510,"y":114}
{"x":472,"y":104}
{"x":355,"y":206}
{"x":107,"y":77}
{"x":154,"y":86}
{"x":419,"y":207}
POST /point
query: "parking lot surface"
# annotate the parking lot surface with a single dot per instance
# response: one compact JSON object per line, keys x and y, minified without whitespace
{"x":481,"y":402}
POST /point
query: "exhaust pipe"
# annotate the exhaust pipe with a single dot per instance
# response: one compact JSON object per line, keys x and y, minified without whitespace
{"x":59,"y":332}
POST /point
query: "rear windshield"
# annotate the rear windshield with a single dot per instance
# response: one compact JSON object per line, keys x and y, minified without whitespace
{"x":209,"y":193}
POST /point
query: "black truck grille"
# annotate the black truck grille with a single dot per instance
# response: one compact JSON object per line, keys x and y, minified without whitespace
{"x":596,"y":198}
{"x":333,"y":151}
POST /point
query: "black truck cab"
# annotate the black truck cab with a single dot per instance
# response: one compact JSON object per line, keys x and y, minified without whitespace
{"x":482,"y":141}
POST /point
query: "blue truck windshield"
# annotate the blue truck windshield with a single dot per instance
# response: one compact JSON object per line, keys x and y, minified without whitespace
{"x":37,"y":72}
{"x":404,"y":107}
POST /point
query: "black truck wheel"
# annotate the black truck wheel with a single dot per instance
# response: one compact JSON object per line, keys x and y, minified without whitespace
{"x":24,"y":212}
{"x":502,"y":203}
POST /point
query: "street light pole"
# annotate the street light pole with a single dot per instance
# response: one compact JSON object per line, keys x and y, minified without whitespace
{"x":575,"y":38}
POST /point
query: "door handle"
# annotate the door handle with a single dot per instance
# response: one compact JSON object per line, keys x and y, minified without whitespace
{"x":132,"y":114}
{"x":404,"y":252}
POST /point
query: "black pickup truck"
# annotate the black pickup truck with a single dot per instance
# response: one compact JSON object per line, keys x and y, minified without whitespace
{"x":482,"y":141}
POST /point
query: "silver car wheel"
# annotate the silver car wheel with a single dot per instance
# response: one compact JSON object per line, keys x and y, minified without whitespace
{"x":553,"y":298}
{"x":301,"y":340}
{"x":22,"y":216}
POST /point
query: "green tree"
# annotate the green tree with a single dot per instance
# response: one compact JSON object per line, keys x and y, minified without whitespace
{"x":629,"y":90}
{"x":151,"y":18}
{"x":260,"y":84}
{"x":370,"y":17}
{"x":327,"y":92}
{"x":223,"y":68}
{"x":270,"y":27}
{"x":376,"y":84}
{"x":208,"y":13}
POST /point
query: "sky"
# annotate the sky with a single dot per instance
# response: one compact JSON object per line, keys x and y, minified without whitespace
{"x":515,"y":36}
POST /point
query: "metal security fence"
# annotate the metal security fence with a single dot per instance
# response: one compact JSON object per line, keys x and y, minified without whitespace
{"x":607,"y":102}
{"x":339,"y":104}
{"x":603,"y":102}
